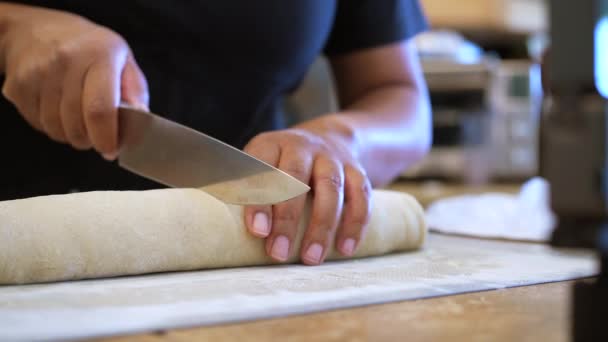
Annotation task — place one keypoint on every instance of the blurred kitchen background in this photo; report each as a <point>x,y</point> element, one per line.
<point>481,62</point>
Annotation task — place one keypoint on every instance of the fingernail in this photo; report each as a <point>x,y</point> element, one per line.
<point>348,246</point>
<point>110,156</point>
<point>314,253</point>
<point>141,106</point>
<point>135,104</point>
<point>280,248</point>
<point>261,226</point>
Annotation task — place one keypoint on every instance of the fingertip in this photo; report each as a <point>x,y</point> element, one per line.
<point>81,146</point>
<point>134,86</point>
<point>110,156</point>
<point>135,104</point>
<point>142,106</point>
<point>260,224</point>
<point>258,220</point>
<point>347,247</point>
<point>279,250</point>
<point>313,254</point>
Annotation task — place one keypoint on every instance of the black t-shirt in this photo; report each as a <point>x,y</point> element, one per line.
<point>221,67</point>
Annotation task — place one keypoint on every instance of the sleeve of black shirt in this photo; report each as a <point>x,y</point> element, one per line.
<point>361,24</point>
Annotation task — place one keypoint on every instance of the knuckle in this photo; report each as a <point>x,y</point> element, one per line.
<point>98,112</point>
<point>357,220</point>
<point>7,90</point>
<point>55,134</point>
<point>62,56</point>
<point>265,135</point>
<point>286,214</point>
<point>354,170</point>
<point>359,181</point>
<point>33,72</point>
<point>102,42</point>
<point>297,138</point>
<point>18,84</point>
<point>261,138</point>
<point>332,182</point>
<point>322,224</point>
<point>49,121</point>
<point>12,87</point>
<point>113,38</point>
<point>78,138</point>
<point>365,189</point>
<point>301,138</point>
<point>256,142</point>
<point>52,128</point>
<point>297,169</point>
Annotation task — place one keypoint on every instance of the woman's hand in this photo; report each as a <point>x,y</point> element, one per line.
<point>384,127</point>
<point>67,75</point>
<point>320,153</point>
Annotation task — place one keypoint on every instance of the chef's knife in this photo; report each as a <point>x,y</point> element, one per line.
<point>178,156</point>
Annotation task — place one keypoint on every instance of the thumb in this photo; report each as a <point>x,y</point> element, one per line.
<point>134,87</point>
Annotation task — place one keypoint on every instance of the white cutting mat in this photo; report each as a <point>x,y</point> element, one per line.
<point>447,265</point>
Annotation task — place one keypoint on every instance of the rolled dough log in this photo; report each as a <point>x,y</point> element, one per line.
<point>101,234</point>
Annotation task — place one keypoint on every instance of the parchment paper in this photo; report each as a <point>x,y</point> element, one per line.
<point>447,265</point>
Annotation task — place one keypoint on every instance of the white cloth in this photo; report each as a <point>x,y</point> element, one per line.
<point>524,217</point>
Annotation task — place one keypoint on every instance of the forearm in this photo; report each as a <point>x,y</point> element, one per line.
<point>393,130</point>
<point>388,129</point>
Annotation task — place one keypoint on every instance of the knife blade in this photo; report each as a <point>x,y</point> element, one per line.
<point>178,156</point>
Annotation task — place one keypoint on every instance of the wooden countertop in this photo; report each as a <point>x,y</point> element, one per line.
<point>427,192</point>
<point>531,313</point>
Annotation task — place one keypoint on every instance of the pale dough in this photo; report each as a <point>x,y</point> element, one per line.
<point>102,234</point>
